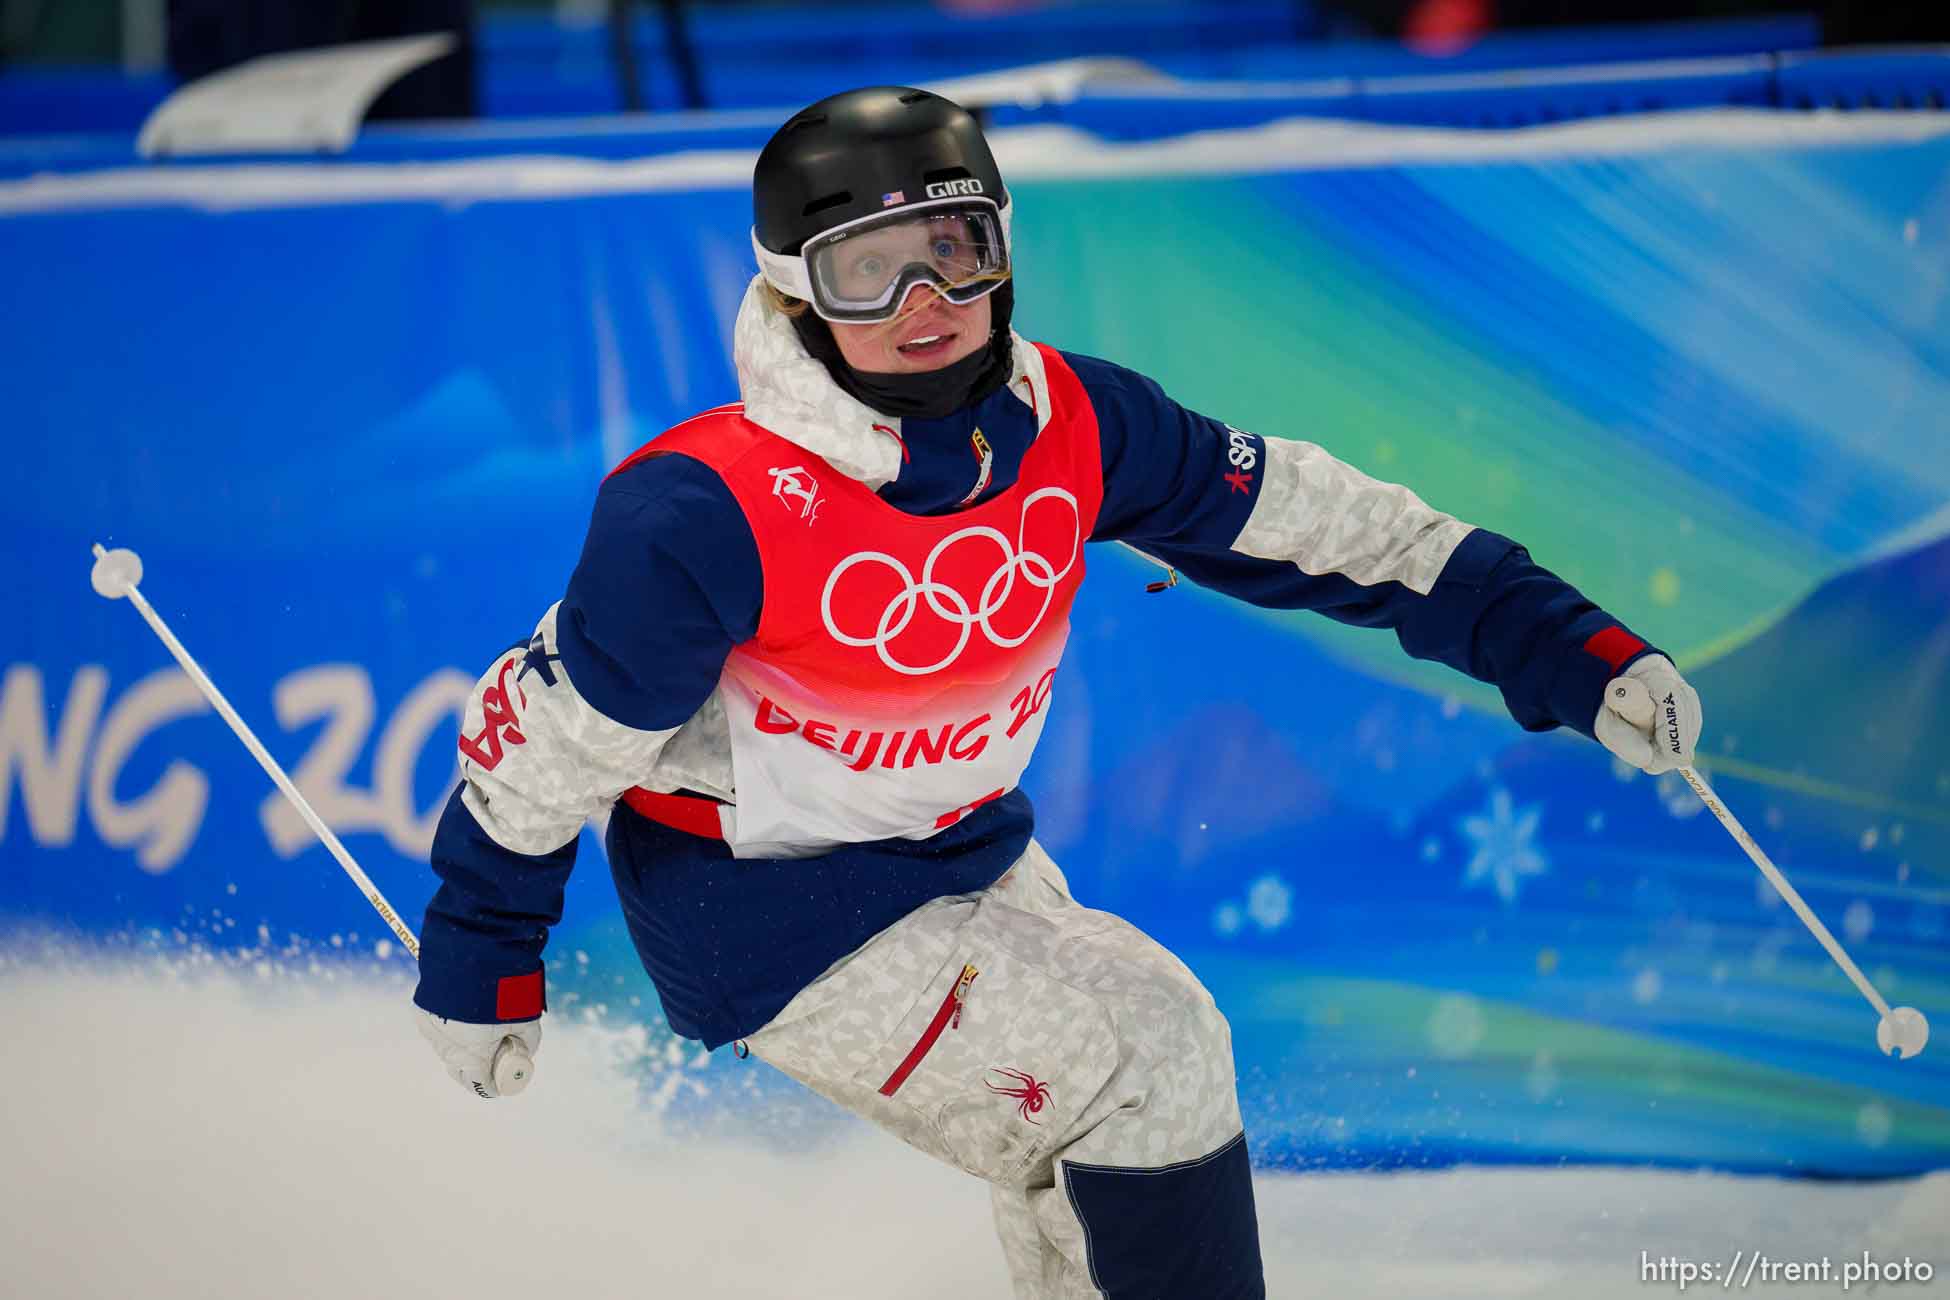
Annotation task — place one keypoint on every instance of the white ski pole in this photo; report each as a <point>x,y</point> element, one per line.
<point>116,575</point>
<point>1903,1029</point>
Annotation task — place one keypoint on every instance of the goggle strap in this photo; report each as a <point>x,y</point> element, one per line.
<point>786,273</point>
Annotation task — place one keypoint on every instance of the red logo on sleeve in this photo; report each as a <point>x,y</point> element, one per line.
<point>501,724</point>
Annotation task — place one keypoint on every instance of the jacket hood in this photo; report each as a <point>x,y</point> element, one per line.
<point>787,391</point>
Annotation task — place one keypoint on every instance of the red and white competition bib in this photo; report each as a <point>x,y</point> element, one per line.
<point>903,664</point>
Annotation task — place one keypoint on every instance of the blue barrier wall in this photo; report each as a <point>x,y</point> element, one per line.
<point>533,65</point>
<point>1378,91</point>
<point>354,432</point>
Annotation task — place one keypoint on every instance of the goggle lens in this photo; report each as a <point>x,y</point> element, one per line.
<point>863,272</point>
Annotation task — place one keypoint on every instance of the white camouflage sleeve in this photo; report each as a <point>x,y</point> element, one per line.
<point>537,759</point>
<point>1324,516</point>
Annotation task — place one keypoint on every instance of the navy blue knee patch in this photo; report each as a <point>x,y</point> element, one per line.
<point>1187,1229</point>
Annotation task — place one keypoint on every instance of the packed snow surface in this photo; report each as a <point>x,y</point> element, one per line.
<point>243,1132</point>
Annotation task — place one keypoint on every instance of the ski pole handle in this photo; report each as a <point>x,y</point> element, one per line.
<point>1631,700</point>
<point>512,1067</point>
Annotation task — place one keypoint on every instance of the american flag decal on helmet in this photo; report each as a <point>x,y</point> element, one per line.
<point>892,197</point>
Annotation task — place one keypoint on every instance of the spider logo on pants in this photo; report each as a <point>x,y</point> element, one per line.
<point>1031,1096</point>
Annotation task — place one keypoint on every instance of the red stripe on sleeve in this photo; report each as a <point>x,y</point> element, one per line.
<point>518,997</point>
<point>1614,645</point>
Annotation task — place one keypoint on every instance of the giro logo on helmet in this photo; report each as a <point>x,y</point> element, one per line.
<point>952,189</point>
<point>948,606</point>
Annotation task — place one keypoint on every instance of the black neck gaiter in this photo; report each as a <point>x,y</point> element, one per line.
<point>927,394</point>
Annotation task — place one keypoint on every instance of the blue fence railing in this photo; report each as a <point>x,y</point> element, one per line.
<point>1874,79</point>
<point>1903,79</point>
<point>531,65</point>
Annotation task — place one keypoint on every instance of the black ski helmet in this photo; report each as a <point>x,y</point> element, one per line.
<point>850,154</point>
<point>865,152</point>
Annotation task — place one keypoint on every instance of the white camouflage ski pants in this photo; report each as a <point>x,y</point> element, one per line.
<point>1066,1058</point>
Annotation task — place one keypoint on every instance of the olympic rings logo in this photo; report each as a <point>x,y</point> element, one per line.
<point>949,605</point>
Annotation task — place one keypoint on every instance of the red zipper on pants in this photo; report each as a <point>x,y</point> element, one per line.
<point>948,1013</point>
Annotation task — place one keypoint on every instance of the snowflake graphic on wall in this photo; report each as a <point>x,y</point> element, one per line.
<point>1501,839</point>
<point>1268,906</point>
<point>1269,902</point>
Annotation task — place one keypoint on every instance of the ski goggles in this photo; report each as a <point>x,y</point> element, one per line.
<point>860,272</point>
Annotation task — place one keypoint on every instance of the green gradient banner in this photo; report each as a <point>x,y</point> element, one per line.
<point>1712,387</point>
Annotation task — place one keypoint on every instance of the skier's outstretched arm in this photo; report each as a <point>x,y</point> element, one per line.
<point>559,726</point>
<point>1284,524</point>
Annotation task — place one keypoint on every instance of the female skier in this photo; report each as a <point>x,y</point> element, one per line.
<point>807,653</point>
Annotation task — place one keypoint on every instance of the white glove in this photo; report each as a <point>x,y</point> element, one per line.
<point>1650,717</point>
<point>488,1060</point>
